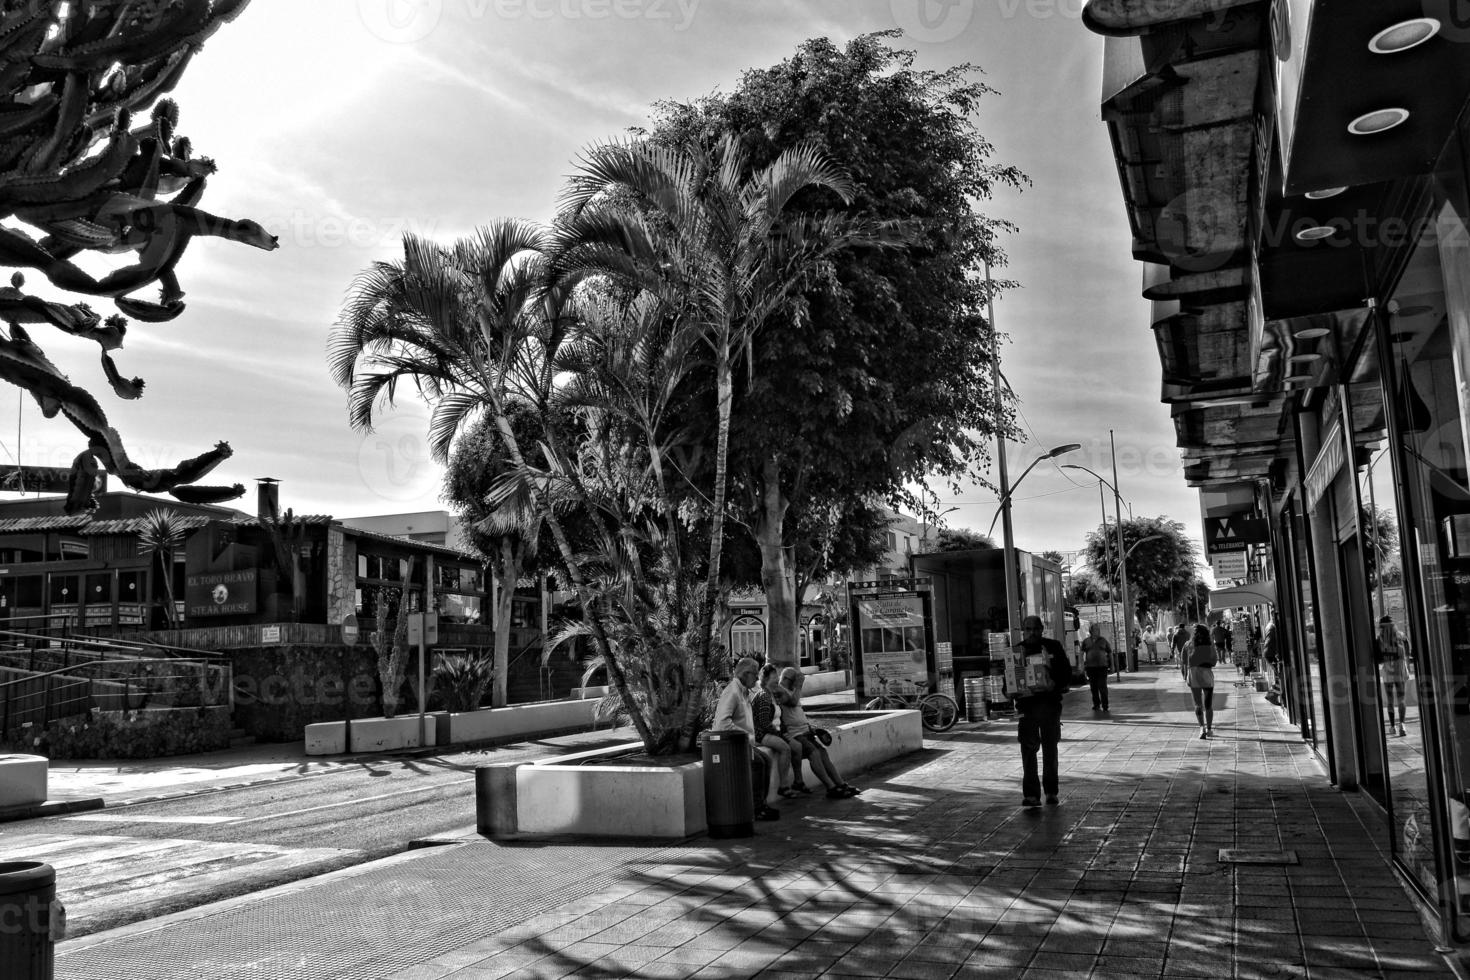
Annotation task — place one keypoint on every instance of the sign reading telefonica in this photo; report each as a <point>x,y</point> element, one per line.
<point>220,593</point>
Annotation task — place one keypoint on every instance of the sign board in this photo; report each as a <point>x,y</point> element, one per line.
<point>270,634</point>
<point>415,629</point>
<point>220,593</point>
<point>893,630</point>
<point>1230,565</point>
<point>431,628</point>
<point>1225,534</point>
<point>1329,460</point>
<point>350,630</point>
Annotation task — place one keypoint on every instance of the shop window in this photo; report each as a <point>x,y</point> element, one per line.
<point>748,637</point>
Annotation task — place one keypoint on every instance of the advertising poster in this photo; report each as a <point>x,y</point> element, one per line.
<point>893,639</point>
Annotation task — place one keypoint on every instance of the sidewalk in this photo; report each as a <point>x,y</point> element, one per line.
<point>935,871</point>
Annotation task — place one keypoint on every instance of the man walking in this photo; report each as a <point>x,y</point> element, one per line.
<point>1039,714</point>
<point>732,714</point>
<point>1177,641</point>
<point>1097,656</point>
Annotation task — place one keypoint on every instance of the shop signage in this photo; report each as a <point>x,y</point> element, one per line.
<point>220,593</point>
<point>1228,565</point>
<point>270,634</point>
<point>1329,460</point>
<point>1225,535</point>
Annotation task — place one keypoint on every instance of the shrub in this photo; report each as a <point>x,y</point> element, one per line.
<point>462,679</point>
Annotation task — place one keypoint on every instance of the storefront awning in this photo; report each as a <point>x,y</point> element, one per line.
<point>1250,594</point>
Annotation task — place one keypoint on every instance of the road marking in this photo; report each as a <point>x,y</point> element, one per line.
<point>127,818</point>
<point>330,806</point>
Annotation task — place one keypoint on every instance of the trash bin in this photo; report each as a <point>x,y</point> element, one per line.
<point>729,806</point>
<point>977,692</point>
<point>32,921</point>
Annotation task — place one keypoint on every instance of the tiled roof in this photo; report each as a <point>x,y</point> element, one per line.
<point>11,524</point>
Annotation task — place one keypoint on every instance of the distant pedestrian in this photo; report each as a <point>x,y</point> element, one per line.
<point>1199,674</point>
<point>1097,656</point>
<point>1039,715</point>
<point>1392,652</point>
<point>1220,637</point>
<point>1271,653</point>
<point>1177,641</point>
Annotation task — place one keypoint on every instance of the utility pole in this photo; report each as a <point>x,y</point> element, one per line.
<point>1007,538</point>
<point>1122,561</point>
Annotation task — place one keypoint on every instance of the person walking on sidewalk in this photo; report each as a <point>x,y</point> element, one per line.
<point>1199,674</point>
<point>1097,655</point>
<point>1039,715</point>
<point>1177,642</point>
<point>732,714</point>
<point>1392,653</point>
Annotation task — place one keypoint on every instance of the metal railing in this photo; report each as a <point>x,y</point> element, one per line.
<point>109,683</point>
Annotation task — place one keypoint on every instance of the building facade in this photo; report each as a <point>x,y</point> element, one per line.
<point>228,570</point>
<point>1295,177</point>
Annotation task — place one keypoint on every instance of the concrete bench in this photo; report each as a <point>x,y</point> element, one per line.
<point>22,780</point>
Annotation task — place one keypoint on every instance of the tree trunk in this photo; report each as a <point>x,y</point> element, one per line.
<point>778,578</point>
<point>506,570</point>
<point>573,568</point>
<point>724,397</point>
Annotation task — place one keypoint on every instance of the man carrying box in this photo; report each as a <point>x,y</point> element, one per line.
<point>1045,676</point>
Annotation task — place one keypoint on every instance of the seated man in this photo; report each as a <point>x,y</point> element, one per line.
<point>732,713</point>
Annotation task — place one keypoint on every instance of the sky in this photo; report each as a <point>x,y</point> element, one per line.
<point>341,124</point>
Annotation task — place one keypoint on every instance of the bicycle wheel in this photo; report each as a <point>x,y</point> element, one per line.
<point>939,712</point>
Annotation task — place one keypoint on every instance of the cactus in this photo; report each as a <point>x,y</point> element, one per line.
<point>73,75</point>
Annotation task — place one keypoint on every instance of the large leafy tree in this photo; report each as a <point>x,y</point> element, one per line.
<point>881,373</point>
<point>1161,560</point>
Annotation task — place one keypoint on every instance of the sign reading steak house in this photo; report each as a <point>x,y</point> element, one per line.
<point>220,593</point>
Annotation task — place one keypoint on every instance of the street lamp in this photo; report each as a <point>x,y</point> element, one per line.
<point>1122,555</point>
<point>1005,496</point>
<point>924,535</point>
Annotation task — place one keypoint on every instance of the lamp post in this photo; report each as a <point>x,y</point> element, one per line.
<point>1006,492</point>
<point>1122,557</point>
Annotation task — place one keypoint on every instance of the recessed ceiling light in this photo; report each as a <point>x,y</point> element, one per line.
<point>1304,357</point>
<point>1311,333</point>
<point>1404,35</point>
<point>1325,192</point>
<point>1315,232</point>
<point>1377,121</point>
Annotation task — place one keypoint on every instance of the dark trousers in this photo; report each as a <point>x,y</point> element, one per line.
<point>1040,730</point>
<point>760,778</point>
<point>1097,679</point>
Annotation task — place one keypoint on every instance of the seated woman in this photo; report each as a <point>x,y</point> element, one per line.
<point>763,709</point>
<point>804,744</point>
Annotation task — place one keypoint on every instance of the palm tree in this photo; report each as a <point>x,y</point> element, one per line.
<point>719,249</point>
<point>161,535</point>
<point>475,327</point>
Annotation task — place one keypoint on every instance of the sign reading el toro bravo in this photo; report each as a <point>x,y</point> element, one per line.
<point>220,593</point>
<point>892,622</point>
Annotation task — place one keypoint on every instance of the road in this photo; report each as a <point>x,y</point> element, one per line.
<point>125,864</point>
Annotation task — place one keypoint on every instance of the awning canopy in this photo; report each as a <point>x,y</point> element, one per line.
<point>1250,594</point>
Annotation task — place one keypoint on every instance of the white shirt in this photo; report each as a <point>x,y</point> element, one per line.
<point>732,712</point>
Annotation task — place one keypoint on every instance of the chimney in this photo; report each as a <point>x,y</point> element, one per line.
<point>267,498</point>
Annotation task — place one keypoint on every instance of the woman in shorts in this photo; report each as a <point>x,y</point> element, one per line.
<point>804,744</point>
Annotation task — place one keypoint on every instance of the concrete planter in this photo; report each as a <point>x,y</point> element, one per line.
<point>369,735</point>
<point>23,779</point>
<point>493,724</point>
<point>560,796</point>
